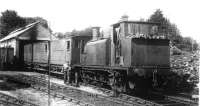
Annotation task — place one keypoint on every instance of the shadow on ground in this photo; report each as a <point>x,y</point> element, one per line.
<point>7,83</point>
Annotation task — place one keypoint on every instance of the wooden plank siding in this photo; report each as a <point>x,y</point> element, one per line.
<point>58,52</point>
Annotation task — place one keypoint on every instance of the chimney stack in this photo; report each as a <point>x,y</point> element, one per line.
<point>96,33</point>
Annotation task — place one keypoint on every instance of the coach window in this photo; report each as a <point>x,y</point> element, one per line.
<point>68,45</point>
<point>45,47</point>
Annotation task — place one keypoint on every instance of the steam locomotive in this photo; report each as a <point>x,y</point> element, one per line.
<point>133,58</point>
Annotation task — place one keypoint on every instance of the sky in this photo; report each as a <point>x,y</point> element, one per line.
<point>66,15</point>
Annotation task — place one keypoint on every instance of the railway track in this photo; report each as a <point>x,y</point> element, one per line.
<point>182,100</point>
<point>62,96</point>
<point>84,98</point>
<point>6,100</point>
<point>40,84</point>
<point>162,100</point>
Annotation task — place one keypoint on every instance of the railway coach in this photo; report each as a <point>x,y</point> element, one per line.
<point>65,51</point>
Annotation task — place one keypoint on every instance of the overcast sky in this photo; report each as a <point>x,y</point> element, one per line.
<point>65,15</point>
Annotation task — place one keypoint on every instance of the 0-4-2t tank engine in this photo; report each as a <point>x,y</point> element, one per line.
<point>134,57</point>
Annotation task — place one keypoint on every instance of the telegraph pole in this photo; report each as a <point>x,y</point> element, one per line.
<point>49,69</point>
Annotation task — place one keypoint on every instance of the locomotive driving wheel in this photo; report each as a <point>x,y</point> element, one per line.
<point>117,83</point>
<point>76,80</point>
<point>84,77</point>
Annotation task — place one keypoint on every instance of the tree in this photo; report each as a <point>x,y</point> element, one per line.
<point>171,31</point>
<point>174,34</point>
<point>59,35</point>
<point>85,32</point>
<point>158,17</point>
<point>189,44</point>
<point>10,20</point>
<point>166,27</point>
<point>42,21</point>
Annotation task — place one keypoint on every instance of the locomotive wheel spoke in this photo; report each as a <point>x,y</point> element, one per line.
<point>76,78</point>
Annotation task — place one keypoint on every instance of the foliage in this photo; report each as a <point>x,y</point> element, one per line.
<point>42,21</point>
<point>178,83</point>
<point>189,44</point>
<point>85,32</point>
<point>158,17</point>
<point>171,31</point>
<point>60,35</point>
<point>10,20</point>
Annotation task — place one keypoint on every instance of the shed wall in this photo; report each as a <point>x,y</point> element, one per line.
<point>28,53</point>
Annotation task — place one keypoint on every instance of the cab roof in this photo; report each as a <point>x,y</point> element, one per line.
<point>136,22</point>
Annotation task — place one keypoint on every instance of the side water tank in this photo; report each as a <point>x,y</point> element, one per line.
<point>97,52</point>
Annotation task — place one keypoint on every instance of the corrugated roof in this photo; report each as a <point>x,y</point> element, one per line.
<point>19,31</point>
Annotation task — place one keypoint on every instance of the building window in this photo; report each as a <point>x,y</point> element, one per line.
<point>82,45</point>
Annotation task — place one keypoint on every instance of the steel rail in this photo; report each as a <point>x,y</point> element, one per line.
<point>7,99</point>
<point>95,99</point>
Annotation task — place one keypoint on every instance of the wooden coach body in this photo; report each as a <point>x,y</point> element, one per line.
<point>65,51</point>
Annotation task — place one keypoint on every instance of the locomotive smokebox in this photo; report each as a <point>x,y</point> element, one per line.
<point>95,33</point>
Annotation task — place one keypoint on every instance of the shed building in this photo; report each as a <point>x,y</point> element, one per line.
<point>12,46</point>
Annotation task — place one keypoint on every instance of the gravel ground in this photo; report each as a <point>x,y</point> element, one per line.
<point>54,80</point>
<point>187,63</point>
<point>37,97</point>
<point>32,95</point>
<point>29,94</point>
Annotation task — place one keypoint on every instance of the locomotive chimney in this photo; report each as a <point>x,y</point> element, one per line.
<point>124,18</point>
<point>95,33</point>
